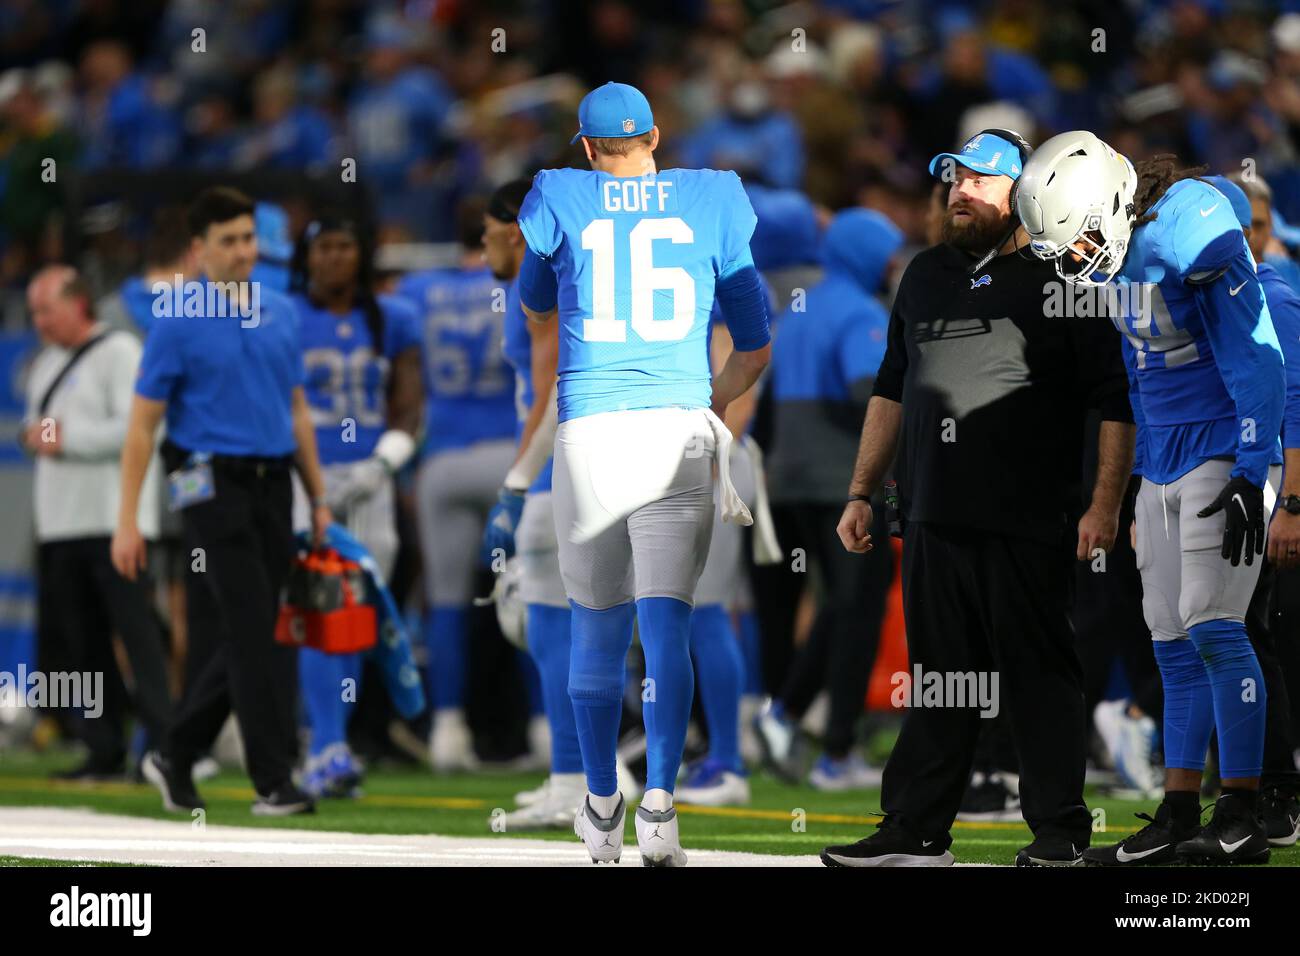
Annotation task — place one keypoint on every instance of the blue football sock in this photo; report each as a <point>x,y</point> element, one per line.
<point>1237,685</point>
<point>1189,705</point>
<point>718,663</point>
<point>665,629</point>
<point>532,684</point>
<point>751,649</point>
<point>597,671</point>
<point>327,700</point>
<point>549,642</point>
<point>446,635</point>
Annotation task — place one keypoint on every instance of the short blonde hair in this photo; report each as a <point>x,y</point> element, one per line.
<point>619,145</point>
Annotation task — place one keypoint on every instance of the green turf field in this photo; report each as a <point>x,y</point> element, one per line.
<point>781,819</point>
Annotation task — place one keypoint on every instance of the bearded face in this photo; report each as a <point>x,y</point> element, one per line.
<point>978,215</point>
<point>974,227</point>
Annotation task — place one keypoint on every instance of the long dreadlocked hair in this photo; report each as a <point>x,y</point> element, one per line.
<point>300,281</point>
<point>1154,177</point>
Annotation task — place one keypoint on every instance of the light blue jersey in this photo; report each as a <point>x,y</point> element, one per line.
<point>518,350</point>
<point>347,380</point>
<point>1203,356</point>
<point>636,260</point>
<point>469,388</point>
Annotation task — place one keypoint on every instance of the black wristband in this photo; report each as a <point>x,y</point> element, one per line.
<point>866,498</point>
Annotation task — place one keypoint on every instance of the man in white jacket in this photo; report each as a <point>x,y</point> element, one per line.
<point>78,395</point>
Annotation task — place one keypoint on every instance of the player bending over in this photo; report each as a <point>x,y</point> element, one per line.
<point>1208,391</point>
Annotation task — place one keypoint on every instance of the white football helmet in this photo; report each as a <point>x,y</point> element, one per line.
<point>512,614</point>
<point>1075,188</point>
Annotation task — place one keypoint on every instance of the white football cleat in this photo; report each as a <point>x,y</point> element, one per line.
<point>1106,718</point>
<point>205,768</point>
<point>627,785</point>
<point>778,738</point>
<point>1133,753</point>
<point>526,798</point>
<point>554,811</point>
<point>451,746</point>
<point>603,838</point>
<point>656,835</point>
<point>1129,742</point>
<point>848,773</point>
<point>710,784</point>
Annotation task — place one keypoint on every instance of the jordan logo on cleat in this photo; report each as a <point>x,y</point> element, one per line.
<point>655,835</point>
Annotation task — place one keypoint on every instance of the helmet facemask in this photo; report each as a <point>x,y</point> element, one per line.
<point>1095,264</point>
<point>1075,200</point>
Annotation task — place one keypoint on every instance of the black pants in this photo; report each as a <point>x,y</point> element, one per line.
<point>981,602</point>
<point>244,537</point>
<point>777,590</point>
<point>82,601</point>
<point>1284,623</point>
<point>995,750</point>
<point>1109,623</point>
<point>1279,742</point>
<point>841,648</point>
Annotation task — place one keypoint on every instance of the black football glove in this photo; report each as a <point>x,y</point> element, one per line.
<point>1243,507</point>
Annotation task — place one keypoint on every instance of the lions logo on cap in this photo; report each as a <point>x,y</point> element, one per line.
<point>628,125</point>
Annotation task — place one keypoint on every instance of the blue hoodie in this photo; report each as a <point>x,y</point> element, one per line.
<point>824,361</point>
<point>787,231</point>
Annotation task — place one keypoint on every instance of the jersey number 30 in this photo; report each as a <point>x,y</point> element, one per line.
<point>598,238</point>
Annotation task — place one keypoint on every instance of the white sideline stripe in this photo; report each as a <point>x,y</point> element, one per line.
<point>85,835</point>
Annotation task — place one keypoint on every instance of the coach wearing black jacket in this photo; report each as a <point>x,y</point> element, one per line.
<point>987,380</point>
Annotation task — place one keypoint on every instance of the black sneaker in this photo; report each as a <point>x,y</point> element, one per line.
<point>285,801</point>
<point>1153,845</point>
<point>177,789</point>
<point>1050,849</point>
<point>989,798</point>
<point>1234,835</point>
<point>890,845</point>
<point>1281,812</point>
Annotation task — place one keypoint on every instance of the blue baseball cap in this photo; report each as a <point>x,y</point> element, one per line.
<point>1236,196</point>
<point>984,153</point>
<point>614,111</point>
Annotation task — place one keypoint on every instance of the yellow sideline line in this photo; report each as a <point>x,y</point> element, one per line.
<point>113,789</point>
<point>109,788</point>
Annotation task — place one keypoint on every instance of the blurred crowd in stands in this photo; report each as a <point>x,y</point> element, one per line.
<point>435,100</point>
